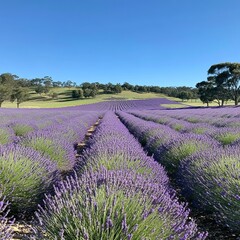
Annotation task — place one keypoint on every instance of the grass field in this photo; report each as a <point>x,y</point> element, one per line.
<point>65,100</point>
<point>191,103</point>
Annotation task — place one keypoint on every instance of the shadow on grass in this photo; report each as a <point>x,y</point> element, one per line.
<point>114,98</point>
<point>69,99</point>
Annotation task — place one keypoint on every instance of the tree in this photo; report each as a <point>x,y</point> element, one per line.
<point>68,84</point>
<point>7,82</point>
<point>7,79</point>
<point>185,95</point>
<point>118,88</point>
<point>57,84</point>
<point>5,93</point>
<point>23,82</point>
<point>36,81</point>
<point>20,95</point>
<point>85,85</point>
<point>227,76</point>
<point>128,86</point>
<point>39,89</point>
<point>47,81</point>
<point>195,94</point>
<point>87,92</point>
<point>77,93</point>
<point>206,93</point>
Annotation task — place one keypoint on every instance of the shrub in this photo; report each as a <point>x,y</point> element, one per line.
<point>57,150</point>
<point>174,151</point>
<point>113,205</point>
<point>114,148</point>
<point>199,128</point>
<point>226,136</point>
<point>25,176</point>
<point>6,135</point>
<point>211,179</point>
<point>21,128</point>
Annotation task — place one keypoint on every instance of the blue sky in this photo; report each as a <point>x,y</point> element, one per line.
<point>145,42</point>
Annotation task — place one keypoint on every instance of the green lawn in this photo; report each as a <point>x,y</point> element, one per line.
<point>192,103</point>
<point>65,100</point>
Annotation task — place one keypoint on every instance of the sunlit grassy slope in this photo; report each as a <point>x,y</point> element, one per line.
<point>65,100</point>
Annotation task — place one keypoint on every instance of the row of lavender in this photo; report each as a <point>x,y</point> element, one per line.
<point>224,125</point>
<point>35,154</point>
<point>126,105</point>
<point>217,117</point>
<point>117,192</point>
<point>207,172</point>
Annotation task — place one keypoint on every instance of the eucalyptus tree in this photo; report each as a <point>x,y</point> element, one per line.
<point>20,95</point>
<point>5,93</point>
<point>7,82</point>
<point>227,76</point>
<point>206,93</point>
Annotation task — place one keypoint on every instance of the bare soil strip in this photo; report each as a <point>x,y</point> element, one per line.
<point>89,133</point>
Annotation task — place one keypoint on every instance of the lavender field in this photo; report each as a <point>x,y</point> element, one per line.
<point>120,170</point>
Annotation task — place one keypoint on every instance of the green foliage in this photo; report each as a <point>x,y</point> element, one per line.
<point>223,83</point>
<point>39,89</point>
<point>177,127</point>
<point>117,162</point>
<point>200,130</point>
<point>206,93</point>
<point>217,188</point>
<point>21,181</point>
<point>106,208</point>
<point>50,150</point>
<point>192,119</point>
<point>227,138</point>
<point>5,93</point>
<point>7,79</point>
<point>111,88</point>
<point>177,152</point>
<point>20,95</point>
<point>4,136</point>
<point>77,93</point>
<point>185,95</point>
<point>127,86</point>
<point>21,129</point>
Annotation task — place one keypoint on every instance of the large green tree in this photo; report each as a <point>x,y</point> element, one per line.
<point>5,93</point>
<point>206,93</point>
<point>227,76</point>
<point>7,82</point>
<point>19,95</point>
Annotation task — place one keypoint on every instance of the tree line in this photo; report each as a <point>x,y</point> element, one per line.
<point>222,84</point>
<point>14,88</point>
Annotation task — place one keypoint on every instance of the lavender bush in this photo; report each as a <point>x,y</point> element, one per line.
<point>174,151</point>
<point>24,176</point>
<point>226,135</point>
<point>6,135</point>
<point>211,179</point>
<point>58,150</point>
<point>22,128</point>
<point>151,135</point>
<point>113,205</point>
<point>114,148</point>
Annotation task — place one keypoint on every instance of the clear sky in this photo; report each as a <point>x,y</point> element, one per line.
<point>145,42</point>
